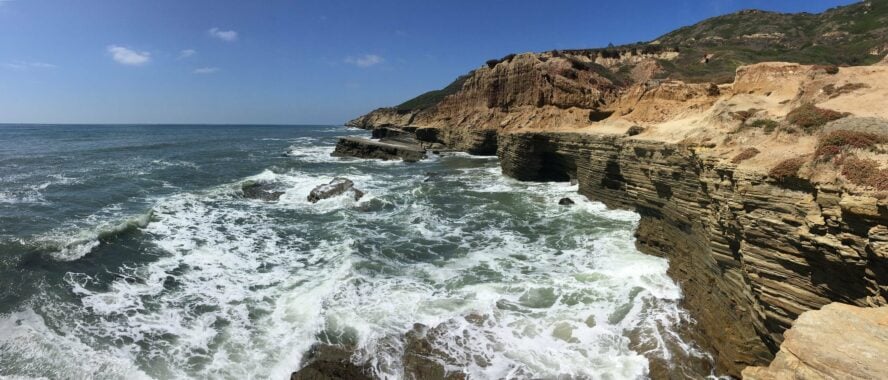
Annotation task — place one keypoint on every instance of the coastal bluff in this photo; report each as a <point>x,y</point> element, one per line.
<point>752,248</point>
<point>764,185</point>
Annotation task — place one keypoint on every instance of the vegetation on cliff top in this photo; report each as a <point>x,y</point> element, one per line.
<point>856,34</point>
<point>432,98</point>
<point>712,50</point>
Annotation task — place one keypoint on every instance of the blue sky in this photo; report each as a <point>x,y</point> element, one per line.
<point>290,62</point>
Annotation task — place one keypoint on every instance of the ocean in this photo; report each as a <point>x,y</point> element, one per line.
<point>129,251</point>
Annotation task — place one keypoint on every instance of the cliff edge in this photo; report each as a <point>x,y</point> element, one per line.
<point>857,337</point>
<point>767,191</point>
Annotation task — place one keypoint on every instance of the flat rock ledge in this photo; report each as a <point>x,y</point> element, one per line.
<point>838,341</point>
<point>378,149</point>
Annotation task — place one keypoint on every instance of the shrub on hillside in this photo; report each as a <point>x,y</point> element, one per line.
<point>787,168</point>
<point>833,92</point>
<point>745,155</point>
<point>766,125</point>
<point>836,142</point>
<point>634,130</point>
<point>865,172</point>
<point>809,116</point>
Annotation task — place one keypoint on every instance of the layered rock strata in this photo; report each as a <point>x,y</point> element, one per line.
<point>856,341</point>
<point>750,253</point>
<point>384,150</point>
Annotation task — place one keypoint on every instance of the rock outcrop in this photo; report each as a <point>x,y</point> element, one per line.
<point>383,150</point>
<point>332,362</point>
<point>750,253</point>
<point>261,191</point>
<point>424,356</point>
<point>336,187</point>
<point>521,91</point>
<point>654,127</point>
<point>836,342</point>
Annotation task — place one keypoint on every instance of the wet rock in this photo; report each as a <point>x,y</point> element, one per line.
<point>336,187</point>
<point>261,191</point>
<point>432,176</point>
<point>422,360</point>
<point>477,319</point>
<point>566,201</point>
<point>387,149</point>
<point>332,362</point>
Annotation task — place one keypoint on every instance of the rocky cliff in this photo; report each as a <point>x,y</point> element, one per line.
<point>548,90</point>
<point>750,253</point>
<point>858,340</point>
<point>767,192</point>
<point>752,247</point>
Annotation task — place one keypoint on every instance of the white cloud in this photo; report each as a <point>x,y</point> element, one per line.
<point>224,35</point>
<point>22,65</point>
<point>127,56</point>
<point>187,53</point>
<point>366,60</point>
<point>206,70</point>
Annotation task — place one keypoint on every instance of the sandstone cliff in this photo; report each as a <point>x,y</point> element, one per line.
<point>768,193</point>
<point>749,253</point>
<point>857,339</point>
<point>752,249</point>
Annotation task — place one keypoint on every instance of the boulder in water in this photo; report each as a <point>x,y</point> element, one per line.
<point>566,202</point>
<point>261,191</point>
<point>332,362</point>
<point>423,359</point>
<point>336,187</point>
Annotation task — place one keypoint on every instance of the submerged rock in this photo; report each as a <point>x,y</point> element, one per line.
<point>422,360</point>
<point>332,362</point>
<point>428,354</point>
<point>566,201</point>
<point>261,191</point>
<point>336,187</point>
<point>383,150</point>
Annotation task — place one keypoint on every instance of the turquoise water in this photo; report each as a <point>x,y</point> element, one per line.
<point>130,252</point>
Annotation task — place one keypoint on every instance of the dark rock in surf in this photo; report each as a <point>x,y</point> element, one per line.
<point>261,191</point>
<point>566,202</point>
<point>336,187</point>
<point>422,358</point>
<point>432,176</point>
<point>332,362</point>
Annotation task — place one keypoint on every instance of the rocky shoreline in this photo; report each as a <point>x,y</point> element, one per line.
<point>751,252</point>
<point>768,195</point>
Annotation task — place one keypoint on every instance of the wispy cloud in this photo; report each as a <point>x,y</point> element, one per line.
<point>126,56</point>
<point>224,35</point>
<point>366,60</point>
<point>187,53</point>
<point>206,70</point>
<point>23,65</point>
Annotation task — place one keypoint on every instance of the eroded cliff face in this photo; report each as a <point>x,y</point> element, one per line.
<point>750,253</point>
<point>523,91</point>
<point>751,249</point>
<point>858,340</point>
